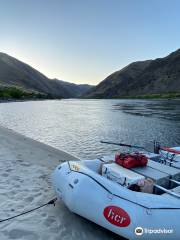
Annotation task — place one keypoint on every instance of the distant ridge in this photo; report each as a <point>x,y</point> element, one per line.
<point>159,76</point>
<point>14,73</point>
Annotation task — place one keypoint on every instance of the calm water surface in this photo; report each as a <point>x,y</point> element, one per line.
<point>77,126</point>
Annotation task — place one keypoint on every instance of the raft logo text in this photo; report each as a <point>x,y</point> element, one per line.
<point>117,216</point>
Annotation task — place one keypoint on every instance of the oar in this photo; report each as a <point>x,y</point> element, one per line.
<point>123,144</point>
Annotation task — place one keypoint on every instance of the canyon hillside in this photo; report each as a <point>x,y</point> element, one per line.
<point>159,76</point>
<point>14,73</point>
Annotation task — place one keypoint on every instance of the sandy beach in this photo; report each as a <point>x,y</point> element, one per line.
<point>25,182</point>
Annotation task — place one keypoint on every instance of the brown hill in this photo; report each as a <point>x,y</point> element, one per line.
<point>161,75</point>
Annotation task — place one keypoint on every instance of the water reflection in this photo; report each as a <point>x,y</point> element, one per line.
<point>167,109</point>
<point>77,126</point>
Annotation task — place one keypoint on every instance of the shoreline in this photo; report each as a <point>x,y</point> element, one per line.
<point>23,141</point>
<point>34,100</point>
<point>26,166</point>
<point>26,100</point>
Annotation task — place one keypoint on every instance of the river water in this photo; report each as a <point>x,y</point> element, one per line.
<point>78,126</point>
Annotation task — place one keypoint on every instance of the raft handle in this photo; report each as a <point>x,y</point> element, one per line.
<point>71,185</point>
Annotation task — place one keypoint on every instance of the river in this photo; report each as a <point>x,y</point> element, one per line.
<point>78,126</point>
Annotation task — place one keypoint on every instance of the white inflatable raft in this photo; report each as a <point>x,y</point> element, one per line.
<point>111,204</point>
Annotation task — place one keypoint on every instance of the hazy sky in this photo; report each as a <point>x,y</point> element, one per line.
<point>83,41</point>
